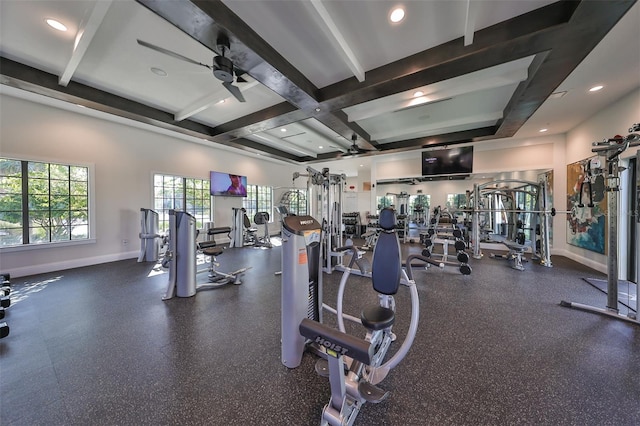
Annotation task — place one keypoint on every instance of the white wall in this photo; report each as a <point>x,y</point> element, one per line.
<point>124,159</point>
<point>614,120</point>
<point>502,159</point>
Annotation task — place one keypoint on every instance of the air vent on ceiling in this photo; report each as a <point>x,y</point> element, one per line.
<point>422,104</point>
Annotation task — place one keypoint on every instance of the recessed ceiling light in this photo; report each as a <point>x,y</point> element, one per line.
<point>158,71</point>
<point>317,109</point>
<point>320,147</point>
<point>396,15</point>
<point>419,100</point>
<point>221,101</point>
<point>596,88</point>
<point>543,130</point>
<point>361,165</point>
<point>418,94</point>
<point>56,24</point>
<point>283,130</point>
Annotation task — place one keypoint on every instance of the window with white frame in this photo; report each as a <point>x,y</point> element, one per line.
<point>419,204</point>
<point>456,201</point>
<point>258,199</point>
<point>383,201</point>
<point>295,201</point>
<point>181,193</point>
<point>42,202</point>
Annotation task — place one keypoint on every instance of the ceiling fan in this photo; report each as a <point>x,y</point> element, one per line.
<point>354,149</point>
<point>222,67</point>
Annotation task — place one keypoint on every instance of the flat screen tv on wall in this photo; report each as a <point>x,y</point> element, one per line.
<point>446,162</point>
<point>228,184</point>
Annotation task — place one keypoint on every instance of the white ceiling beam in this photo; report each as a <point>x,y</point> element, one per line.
<point>443,126</point>
<point>461,87</point>
<point>207,101</point>
<point>86,32</point>
<point>470,21</point>
<point>331,30</point>
<point>280,144</point>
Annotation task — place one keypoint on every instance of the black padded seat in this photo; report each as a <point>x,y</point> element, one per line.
<point>213,251</point>
<point>377,317</point>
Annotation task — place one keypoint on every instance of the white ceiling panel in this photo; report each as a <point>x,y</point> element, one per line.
<point>301,57</point>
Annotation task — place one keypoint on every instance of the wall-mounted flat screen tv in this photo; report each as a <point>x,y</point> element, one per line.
<point>228,185</point>
<point>452,161</point>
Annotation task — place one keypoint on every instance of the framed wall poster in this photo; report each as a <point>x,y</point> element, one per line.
<point>586,226</point>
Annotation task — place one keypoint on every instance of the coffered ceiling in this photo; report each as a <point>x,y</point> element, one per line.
<point>316,75</point>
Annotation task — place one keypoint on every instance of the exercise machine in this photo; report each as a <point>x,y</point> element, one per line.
<point>324,198</point>
<point>262,218</point>
<point>515,254</point>
<point>301,283</point>
<point>181,256</point>
<point>487,203</point>
<point>611,149</point>
<point>402,207</point>
<point>353,365</point>
<point>242,233</point>
<point>302,315</point>
<point>149,237</point>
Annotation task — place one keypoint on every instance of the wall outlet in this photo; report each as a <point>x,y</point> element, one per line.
<point>125,242</point>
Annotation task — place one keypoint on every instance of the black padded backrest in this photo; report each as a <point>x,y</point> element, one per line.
<point>247,222</point>
<point>387,262</point>
<point>261,218</point>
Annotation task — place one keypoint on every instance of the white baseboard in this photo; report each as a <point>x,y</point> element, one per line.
<point>586,262</point>
<point>69,264</point>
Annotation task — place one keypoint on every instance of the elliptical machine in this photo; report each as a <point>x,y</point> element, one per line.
<point>355,366</point>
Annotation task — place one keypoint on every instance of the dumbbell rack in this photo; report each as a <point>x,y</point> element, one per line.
<point>5,302</point>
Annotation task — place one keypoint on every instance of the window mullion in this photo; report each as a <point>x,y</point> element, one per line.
<point>24,166</point>
<point>50,221</point>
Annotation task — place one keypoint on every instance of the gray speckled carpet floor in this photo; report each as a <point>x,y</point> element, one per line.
<point>97,345</point>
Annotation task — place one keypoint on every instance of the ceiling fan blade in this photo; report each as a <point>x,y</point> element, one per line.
<point>234,91</point>
<point>171,53</point>
<point>239,74</point>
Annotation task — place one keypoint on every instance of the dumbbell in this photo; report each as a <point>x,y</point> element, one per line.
<point>1,312</point>
<point>426,253</point>
<point>463,257</point>
<point>465,269</point>
<point>457,233</point>
<point>4,330</point>
<point>459,245</point>
<point>5,301</point>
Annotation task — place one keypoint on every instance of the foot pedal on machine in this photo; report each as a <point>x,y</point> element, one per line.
<point>322,368</point>
<point>372,393</point>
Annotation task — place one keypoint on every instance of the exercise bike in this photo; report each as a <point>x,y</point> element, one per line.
<point>364,358</point>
